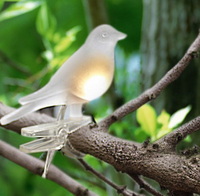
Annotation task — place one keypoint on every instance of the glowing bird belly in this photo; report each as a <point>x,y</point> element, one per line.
<point>92,79</point>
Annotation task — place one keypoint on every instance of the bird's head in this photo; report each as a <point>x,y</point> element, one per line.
<point>105,34</point>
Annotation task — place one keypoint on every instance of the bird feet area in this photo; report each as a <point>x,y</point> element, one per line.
<point>52,136</point>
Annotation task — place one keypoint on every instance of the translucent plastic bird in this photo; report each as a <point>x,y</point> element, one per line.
<point>85,76</point>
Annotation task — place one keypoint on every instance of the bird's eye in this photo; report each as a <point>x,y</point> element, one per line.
<point>104,34</point>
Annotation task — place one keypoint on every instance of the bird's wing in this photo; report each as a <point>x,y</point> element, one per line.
<point>59,81</point>
<point>58,99</point>
<point>43,93</point>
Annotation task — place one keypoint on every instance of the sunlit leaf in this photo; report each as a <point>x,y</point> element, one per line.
<point>163,119</point>
<point>178,117</point>
<point>146,116</point>
<point>161,133</point>
<point>188,139</point>
<point>57,61</point>
<point>66,41</point>
<point>163,122</point>
<point>19,8</point>
<point>63,44</point>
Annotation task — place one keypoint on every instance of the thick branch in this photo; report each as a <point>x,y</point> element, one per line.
<point>95,12</point>
<point>169,142</point>
<point>154,91</point>
<point>172,171</point>
<point>36,166</point>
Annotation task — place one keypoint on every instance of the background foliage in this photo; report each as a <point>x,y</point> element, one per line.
<point>36,37</point>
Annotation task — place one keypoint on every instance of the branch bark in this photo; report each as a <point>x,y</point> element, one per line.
<point>154,91</point>
<point>176,172</point>
<point>36,166</point>
<point>169,142</point>
<point>120,189</point>
<point>170,170</point>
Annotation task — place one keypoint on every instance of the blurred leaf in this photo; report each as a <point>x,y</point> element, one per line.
<point>161,133</point>
<point>178,117</point>
<point>188,139</point>
<point>120,128</point>
<point>5,189</point>
<point>140,135</point>
<point>66,41</point>
<point>163,119</point>
<point>19,8</point>
<point>1,4</point>
<point>146,116</point>
<point>94,162</point>
<point>46,22</point>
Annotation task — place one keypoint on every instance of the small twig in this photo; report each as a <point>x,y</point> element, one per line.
<point>36,166</point>
<point>120,189</point>
<point>16,66</point>
<point>145,185</point>
<point>154,91</point>
<point>170,141</point>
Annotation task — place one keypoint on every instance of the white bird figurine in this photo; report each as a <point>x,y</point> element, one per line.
<point>85,76</point>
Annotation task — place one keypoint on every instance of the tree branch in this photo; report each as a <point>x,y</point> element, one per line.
<point>145,185</point>
<point>168,169</point>
<point>120,189</point>
<point>36,166</point>
<point>10,62</point>
<point>95,12</point>
<point>172,171</point>
<point>154,91</point>
<point>169,142</point>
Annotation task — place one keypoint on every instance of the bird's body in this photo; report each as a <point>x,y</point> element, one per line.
<point>85,76</point>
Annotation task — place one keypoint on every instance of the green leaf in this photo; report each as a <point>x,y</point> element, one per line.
<point>66,41</point>
<point>146,116</point>
<point>1,4</point>
<point>46,22</point>
<point>163,119</point>
<point>140,135</point>
<point>19,8</point>
<point>163,122</point>
<point>161,133</point>
<point>12,0</point>
<point>178,117</point>
<point>188,139</point>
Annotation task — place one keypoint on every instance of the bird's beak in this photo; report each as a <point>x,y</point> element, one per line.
<point>121,35</point>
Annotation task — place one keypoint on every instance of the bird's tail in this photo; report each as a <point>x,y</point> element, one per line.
<point>31,107</point>
<point>25,109</point>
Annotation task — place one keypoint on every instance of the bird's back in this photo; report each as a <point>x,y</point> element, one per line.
<point>87,74</point>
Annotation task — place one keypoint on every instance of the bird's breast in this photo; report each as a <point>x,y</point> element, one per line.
<point>92,77</point>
